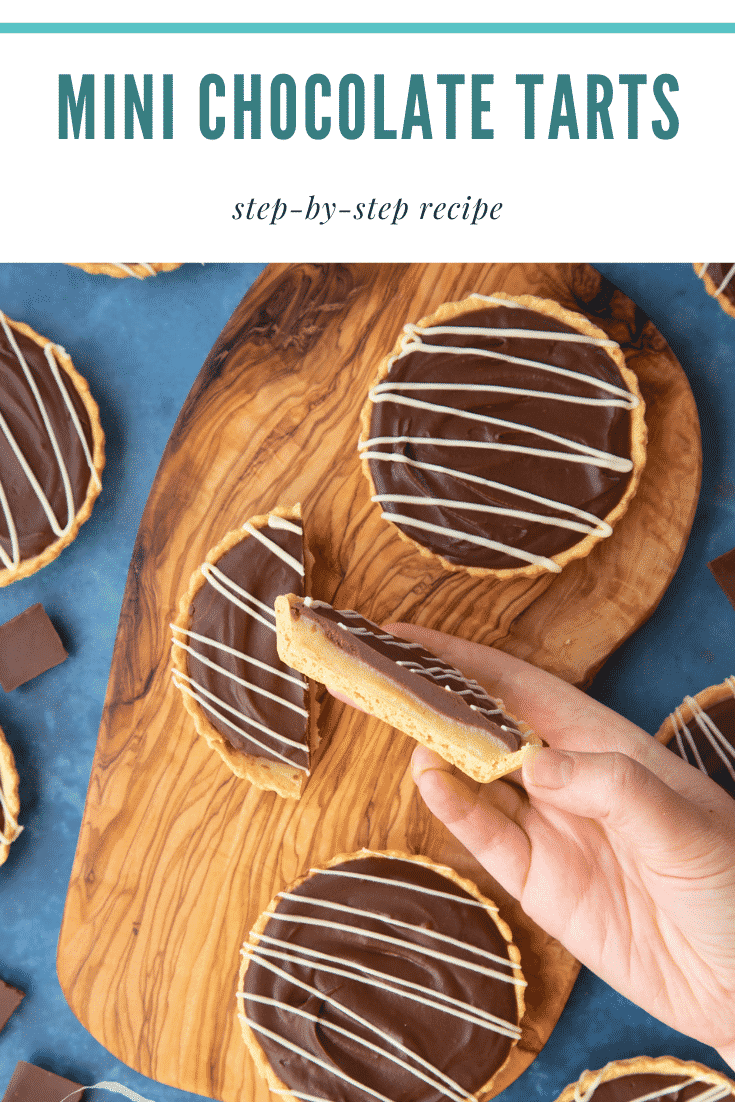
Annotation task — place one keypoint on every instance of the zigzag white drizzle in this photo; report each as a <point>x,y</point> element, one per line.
<point>50,352</point>
<point>685,739</point>
<point>264,614</point>
<point>728,276</point>
<point>269,949</point>
<point>711,1092</point>
<point>399,393</point>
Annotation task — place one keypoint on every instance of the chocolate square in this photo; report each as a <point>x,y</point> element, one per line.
<point>29,646</point>
<point>32,1084</point>
<point>9,1001</point>
<point>723,569</point>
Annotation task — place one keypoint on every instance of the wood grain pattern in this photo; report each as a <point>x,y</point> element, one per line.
<point>176,856</point>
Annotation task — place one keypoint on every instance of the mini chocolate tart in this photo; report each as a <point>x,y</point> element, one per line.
<point>702,732</point>
<point>655,1079</point>
<point>504,436</point>
<point>52,451</point>
<point>404,685</point>
<point>124,271</point>
<point>719,282</point>
<point>253,709</point>
<point>381,975</point>
<point>9,800</point>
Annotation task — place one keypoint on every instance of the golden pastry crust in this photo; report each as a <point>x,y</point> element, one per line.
<point>305,647</point>
<point>658,1065</point>
<point>10,808</point>
<point>273,776</point>
<point>124,271</point>
<point>259,1057</point>
<point>26,567</point>
<point>710,287</point>
<point>713,694</point>
<point>638,435</point>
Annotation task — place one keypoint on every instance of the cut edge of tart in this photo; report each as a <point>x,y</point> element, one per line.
<point>263,1066</point>
<point>638,437</point>
<point>348,669</point>
<point>25,567</point>
<point>287,780</point>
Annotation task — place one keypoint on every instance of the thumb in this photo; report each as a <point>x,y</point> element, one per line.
<point>622,795</point>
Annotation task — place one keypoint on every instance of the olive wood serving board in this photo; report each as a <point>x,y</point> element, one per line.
<point>176,856</point>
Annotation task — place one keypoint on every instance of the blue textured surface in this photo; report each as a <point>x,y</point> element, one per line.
<point>141,345</point>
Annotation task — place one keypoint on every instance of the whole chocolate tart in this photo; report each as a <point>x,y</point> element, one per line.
<point>403,684</point>
<point>255,711</point>
<point>503,435</point>
<point>9,800</point>
<point>702,732</point>
<point>653,1079</point>
<point>719,282</point>
<point>381,975</point>
<point>51,451</point>
<point>123,271</point>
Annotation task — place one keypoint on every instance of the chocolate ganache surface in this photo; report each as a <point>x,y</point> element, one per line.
<point>723,277</point>
<point>257,703</point>
<point>653,1088</point>
<point>46,447</point>
<point>380,977</point>
<point>707,741</point>
<point>509,442</point>
<point>458,698</point>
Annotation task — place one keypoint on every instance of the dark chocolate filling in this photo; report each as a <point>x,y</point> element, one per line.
<point>20,410</point>
<point>467,1052</point>
<point>717,273</point>
<point>256,569</point>
<point>628,1088</point>
<point>422,674</point>
<point>722,715</point>
<point>596,490</point>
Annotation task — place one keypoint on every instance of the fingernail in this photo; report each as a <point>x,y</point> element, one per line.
<point>546,768</point>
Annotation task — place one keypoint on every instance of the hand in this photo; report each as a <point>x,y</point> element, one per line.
<point>617,848</point>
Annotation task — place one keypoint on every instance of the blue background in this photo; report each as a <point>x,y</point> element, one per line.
<point>141,344</point>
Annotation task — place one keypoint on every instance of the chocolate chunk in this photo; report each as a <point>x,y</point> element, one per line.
<point>32,1084</point>
<point>29,645</point>
<point>10,998</point>
<point>723,569</point>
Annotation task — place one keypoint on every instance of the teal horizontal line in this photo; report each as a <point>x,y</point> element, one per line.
<point>367,28</point>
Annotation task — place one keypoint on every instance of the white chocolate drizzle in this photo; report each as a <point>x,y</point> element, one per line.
<point>711,1092</point>
<point>51,352</point>
<point>399,393</point>
<point>265,615</point>
<point>269,950</point>
<point>150,270</point>
<point>725,282</point>
<point>685,739</point>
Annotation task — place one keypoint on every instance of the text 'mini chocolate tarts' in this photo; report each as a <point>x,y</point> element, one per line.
<point>650,1079</point>
<point>52,451</point>
<point>9,799</point>
<point>256,712</point>
<point>404,685</point>
<point>381,976</point>
<point>702,732</point>
<point>503,436</point>
<point>719,282</point>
